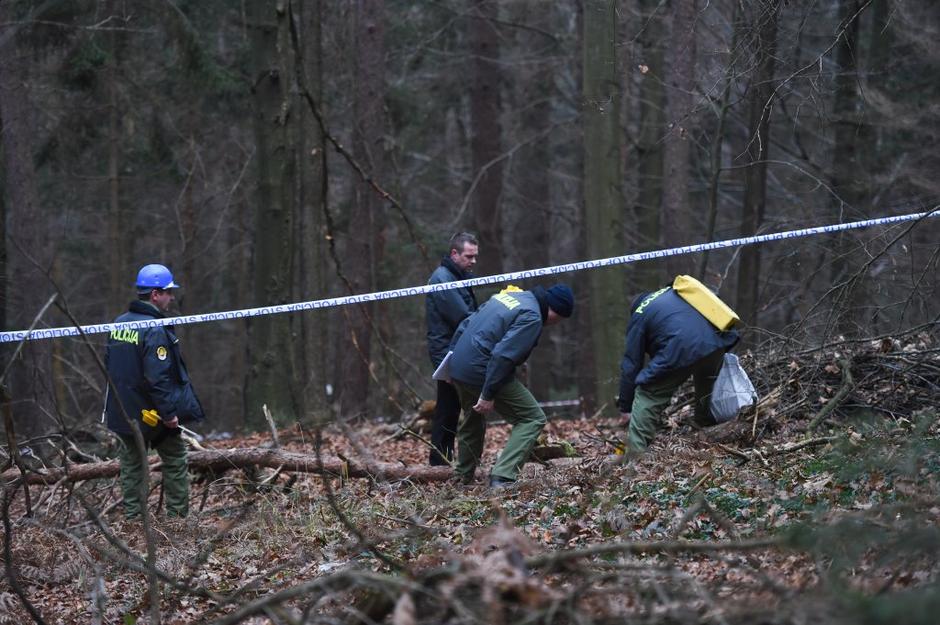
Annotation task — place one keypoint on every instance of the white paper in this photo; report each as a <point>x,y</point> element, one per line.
<point>443,370</point>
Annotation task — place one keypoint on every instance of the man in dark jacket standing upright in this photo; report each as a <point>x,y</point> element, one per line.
<point>488,346</point>
<point>150,390</point>
<point>444,311</point>
<point>680,342</point>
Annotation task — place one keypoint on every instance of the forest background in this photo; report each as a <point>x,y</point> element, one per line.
<point>280,151</point>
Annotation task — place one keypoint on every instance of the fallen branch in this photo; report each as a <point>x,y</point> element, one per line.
<point>848,383</point>
<point>222,459</point>
<point>639,547</point>
<point>766,452</point>
<point>218,460</point>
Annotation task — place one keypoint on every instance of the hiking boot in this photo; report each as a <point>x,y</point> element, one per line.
<point>497,482</point>
<point>462,479</point>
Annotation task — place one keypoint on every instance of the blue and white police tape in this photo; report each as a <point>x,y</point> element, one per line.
<point>49,333</point>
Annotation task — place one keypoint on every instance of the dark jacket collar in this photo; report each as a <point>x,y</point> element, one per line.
<point>541,296</point>
<point>146,308</point>
<point>454,269</point>
<point>460,274</point>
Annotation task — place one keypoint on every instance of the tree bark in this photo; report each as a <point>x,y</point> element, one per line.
<point>649,150</point>
<point>758,142</point>
<point>311,158</point>
<point>365,246</point>
<point>603,202</point>
<point>271,378</point>
<point>27,227</point>
<point>119,282</point>
<point>718,141</point>
<point>532,202</point>
<point>851,138</point>
<point>680,84</point>
<point>486,133</point>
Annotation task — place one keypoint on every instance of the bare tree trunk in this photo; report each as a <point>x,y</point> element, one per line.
<point>579,334</point>
<point>850,139</point>
<point>486,132</point>
<point>531,202</point>
<point>271,378</point>
<point>27,227</point>
<point>118,280</point>
<point>758,142</point>
<point>366,237</point>
<point>311,257</point>
<point>718,141</point>
<point>680,84</point>
<point>603,202</point>
<point>649,274</point>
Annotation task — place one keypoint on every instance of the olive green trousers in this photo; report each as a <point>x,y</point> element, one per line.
<point>652,398</point>
<point>175,469</point>
<point>514,403</point>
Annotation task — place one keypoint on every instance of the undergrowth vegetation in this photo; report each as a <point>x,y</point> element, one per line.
<point>758,521</point>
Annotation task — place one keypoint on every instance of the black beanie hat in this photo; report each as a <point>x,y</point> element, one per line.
<point>561,299</point>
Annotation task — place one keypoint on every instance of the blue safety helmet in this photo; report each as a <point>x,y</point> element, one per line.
<point>155,277</point>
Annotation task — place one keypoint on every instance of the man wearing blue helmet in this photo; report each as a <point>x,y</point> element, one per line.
<point>150,390</point>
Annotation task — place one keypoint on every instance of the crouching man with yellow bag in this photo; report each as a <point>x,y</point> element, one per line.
<point>685,330</point>
<point>150,390</point>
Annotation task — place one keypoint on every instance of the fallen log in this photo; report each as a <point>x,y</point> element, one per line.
<point>219,460</point>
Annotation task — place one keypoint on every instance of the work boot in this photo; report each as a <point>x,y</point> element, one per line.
<point>462,479</point>
<point>497,482</point>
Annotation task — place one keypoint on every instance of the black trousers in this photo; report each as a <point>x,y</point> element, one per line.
<point>444,427</point>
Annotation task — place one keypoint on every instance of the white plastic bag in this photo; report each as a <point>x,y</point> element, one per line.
<point>732,392</point>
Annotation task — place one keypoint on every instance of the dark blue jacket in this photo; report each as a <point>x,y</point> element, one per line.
<point>490,343</point>
<point>446,309</point>
<point>147,372</point>
<point>673,334</point>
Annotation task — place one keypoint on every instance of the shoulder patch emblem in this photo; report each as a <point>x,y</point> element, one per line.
<point>161,352</point>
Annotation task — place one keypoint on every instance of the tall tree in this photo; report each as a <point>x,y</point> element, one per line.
<point>27,228</point>
<point>764,30</point>
<point>486,132</point>
<point>311,157</point>
<point>603,202</point>
<point>850,139</point>
<point>649,149</point>
<point>531,197</point>
<point>118,280</point>
<point>680,85</point>
<point>718,141</point>
<point>365,246</point>
<point>271,372</point>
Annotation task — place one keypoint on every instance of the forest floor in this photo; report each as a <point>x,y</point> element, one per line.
<point>735,524</point>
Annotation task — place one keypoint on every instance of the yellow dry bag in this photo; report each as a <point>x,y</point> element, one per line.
<point>703,300</point>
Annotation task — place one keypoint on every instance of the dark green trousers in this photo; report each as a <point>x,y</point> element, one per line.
<point>651,399</point>
<point>172,451</point>
<point>514,403</point>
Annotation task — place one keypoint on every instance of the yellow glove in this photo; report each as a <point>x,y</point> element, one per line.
<point>150,417</point>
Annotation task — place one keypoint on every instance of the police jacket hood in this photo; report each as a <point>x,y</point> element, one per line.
<point>147,372</point>
<point>444,310</point>
<point>491,343</point>
<point>672,333</point>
